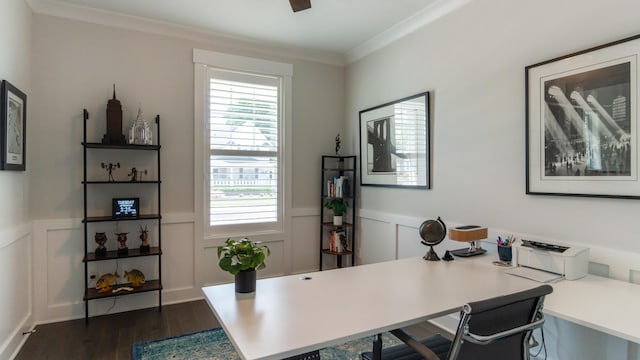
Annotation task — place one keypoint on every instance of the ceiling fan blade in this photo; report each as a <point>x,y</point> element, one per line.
<point>299,5</point>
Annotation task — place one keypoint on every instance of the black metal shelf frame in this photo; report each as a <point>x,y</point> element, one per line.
<point>338,165</point>
<point>149,285</point>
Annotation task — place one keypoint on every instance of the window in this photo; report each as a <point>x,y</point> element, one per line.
<point>243,125</point>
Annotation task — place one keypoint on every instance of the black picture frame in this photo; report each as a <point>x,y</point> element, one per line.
<point>581,121</point>
<point>13,125</point>
<point>395,147</point>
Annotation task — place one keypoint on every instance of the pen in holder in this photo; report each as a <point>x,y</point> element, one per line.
<point>504,248</point>
<point>504,252</point>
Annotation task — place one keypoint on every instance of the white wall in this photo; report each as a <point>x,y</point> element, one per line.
<point>473,63</point>
<point>75,64</point>
<point>15,237</point>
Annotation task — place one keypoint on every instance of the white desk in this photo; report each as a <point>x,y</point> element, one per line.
<point>289,316</point>
<point>603,304</point>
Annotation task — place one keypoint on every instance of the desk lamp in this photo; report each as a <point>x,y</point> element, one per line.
<point>470,234</point>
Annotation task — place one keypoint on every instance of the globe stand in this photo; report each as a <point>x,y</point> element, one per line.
<point>432,233</point>
<point>431,254</point>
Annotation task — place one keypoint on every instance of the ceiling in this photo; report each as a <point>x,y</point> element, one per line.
<point>337,26</point>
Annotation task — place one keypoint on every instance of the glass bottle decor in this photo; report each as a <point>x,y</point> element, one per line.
<point>140,132</point>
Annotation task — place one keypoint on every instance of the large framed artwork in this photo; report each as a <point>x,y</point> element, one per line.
<point>582,123</point>
<point>394,143</point>
<point>13,110</point>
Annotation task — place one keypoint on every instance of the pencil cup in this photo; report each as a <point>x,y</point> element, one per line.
<point>504,253</point>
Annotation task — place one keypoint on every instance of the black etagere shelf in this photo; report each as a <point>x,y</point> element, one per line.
<point>334,167</point>
<point>149,285</point>
<point>113,254</point>
<point>91,293</point>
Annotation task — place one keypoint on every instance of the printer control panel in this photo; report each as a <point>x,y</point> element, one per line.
<point>544,246</point>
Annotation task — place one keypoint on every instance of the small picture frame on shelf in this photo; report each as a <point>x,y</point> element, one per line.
<point>123,208</point>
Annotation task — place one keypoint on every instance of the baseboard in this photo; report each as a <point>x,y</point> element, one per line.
<point>14,343</point>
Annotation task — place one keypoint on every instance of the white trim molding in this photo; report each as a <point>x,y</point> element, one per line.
<point>429,14</point>
<point>136,23</point>
<point>13,234</point>
<point>16,235</point>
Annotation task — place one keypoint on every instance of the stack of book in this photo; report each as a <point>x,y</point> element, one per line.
<point>338,241</point>
<point>338,187</point>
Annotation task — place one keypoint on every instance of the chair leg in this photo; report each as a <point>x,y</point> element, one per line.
<point>377,347</point>
<point>418,347</point>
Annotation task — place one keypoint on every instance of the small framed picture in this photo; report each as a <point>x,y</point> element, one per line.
<point>13,126</point>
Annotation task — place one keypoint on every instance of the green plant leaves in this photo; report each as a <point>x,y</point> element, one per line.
<point>338,206</point>
<point>242,254</point>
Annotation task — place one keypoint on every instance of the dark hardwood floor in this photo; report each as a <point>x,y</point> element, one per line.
<point>111,336</point>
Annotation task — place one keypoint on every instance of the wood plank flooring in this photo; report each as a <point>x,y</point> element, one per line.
<point>111,336</point>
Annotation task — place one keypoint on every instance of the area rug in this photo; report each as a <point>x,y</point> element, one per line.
<point>214,345</point>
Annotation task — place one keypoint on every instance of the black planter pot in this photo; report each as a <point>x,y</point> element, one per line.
<point>246,281</point>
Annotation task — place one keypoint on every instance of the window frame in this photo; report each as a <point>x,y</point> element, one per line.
<point>205,62</point>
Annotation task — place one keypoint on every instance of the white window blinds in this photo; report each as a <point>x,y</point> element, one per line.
<point>244,113</point>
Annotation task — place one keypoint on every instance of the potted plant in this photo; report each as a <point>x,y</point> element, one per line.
<point>339,207</point>
<point>242,258</point>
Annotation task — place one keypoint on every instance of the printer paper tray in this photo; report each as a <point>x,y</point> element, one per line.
<point>534,274</point>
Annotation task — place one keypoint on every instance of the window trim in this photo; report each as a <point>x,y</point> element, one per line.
<point>203,60</point>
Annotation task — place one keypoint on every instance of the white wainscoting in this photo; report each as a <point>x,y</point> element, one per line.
<point>59,270</point>
<point>187,263</point>
<point>389,236</point>
<point>305,241</point>
<point>16,285</point>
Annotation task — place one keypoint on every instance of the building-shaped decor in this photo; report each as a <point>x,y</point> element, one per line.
<point>114,122</point>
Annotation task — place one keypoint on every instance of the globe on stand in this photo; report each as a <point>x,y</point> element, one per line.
<point>432,233</point>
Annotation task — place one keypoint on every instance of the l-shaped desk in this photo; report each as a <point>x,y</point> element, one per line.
<point>295,314</point>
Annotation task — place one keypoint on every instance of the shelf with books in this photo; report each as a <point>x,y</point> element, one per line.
<point>332,252</point>
<point>332,225</point>
<point>338,200</point>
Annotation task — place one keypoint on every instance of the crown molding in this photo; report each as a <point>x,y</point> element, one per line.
<point>216,39</point>
<point>429,14</point>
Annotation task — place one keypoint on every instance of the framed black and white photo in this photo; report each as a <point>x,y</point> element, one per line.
<point>394,143</point>
<point>582,123</point>
<point>13,127</point>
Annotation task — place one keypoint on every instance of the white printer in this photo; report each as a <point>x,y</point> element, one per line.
<point>570,261</point>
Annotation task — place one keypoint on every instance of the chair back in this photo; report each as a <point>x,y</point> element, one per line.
<point>499,328</point>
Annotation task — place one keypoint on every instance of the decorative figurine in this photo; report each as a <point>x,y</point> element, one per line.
<point>134,174</point>
<point>101,239</point>
<point>135,277</point>
<point>122,244</point>
<point>106,281</point>
<point>114,122</point>
<point>140,133</point>
<point>144,237</point>
<point>338,144</point>
<point>109,168</point>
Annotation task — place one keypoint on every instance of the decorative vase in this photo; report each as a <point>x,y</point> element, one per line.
<point>337,220</point>
<point>246,281</point>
